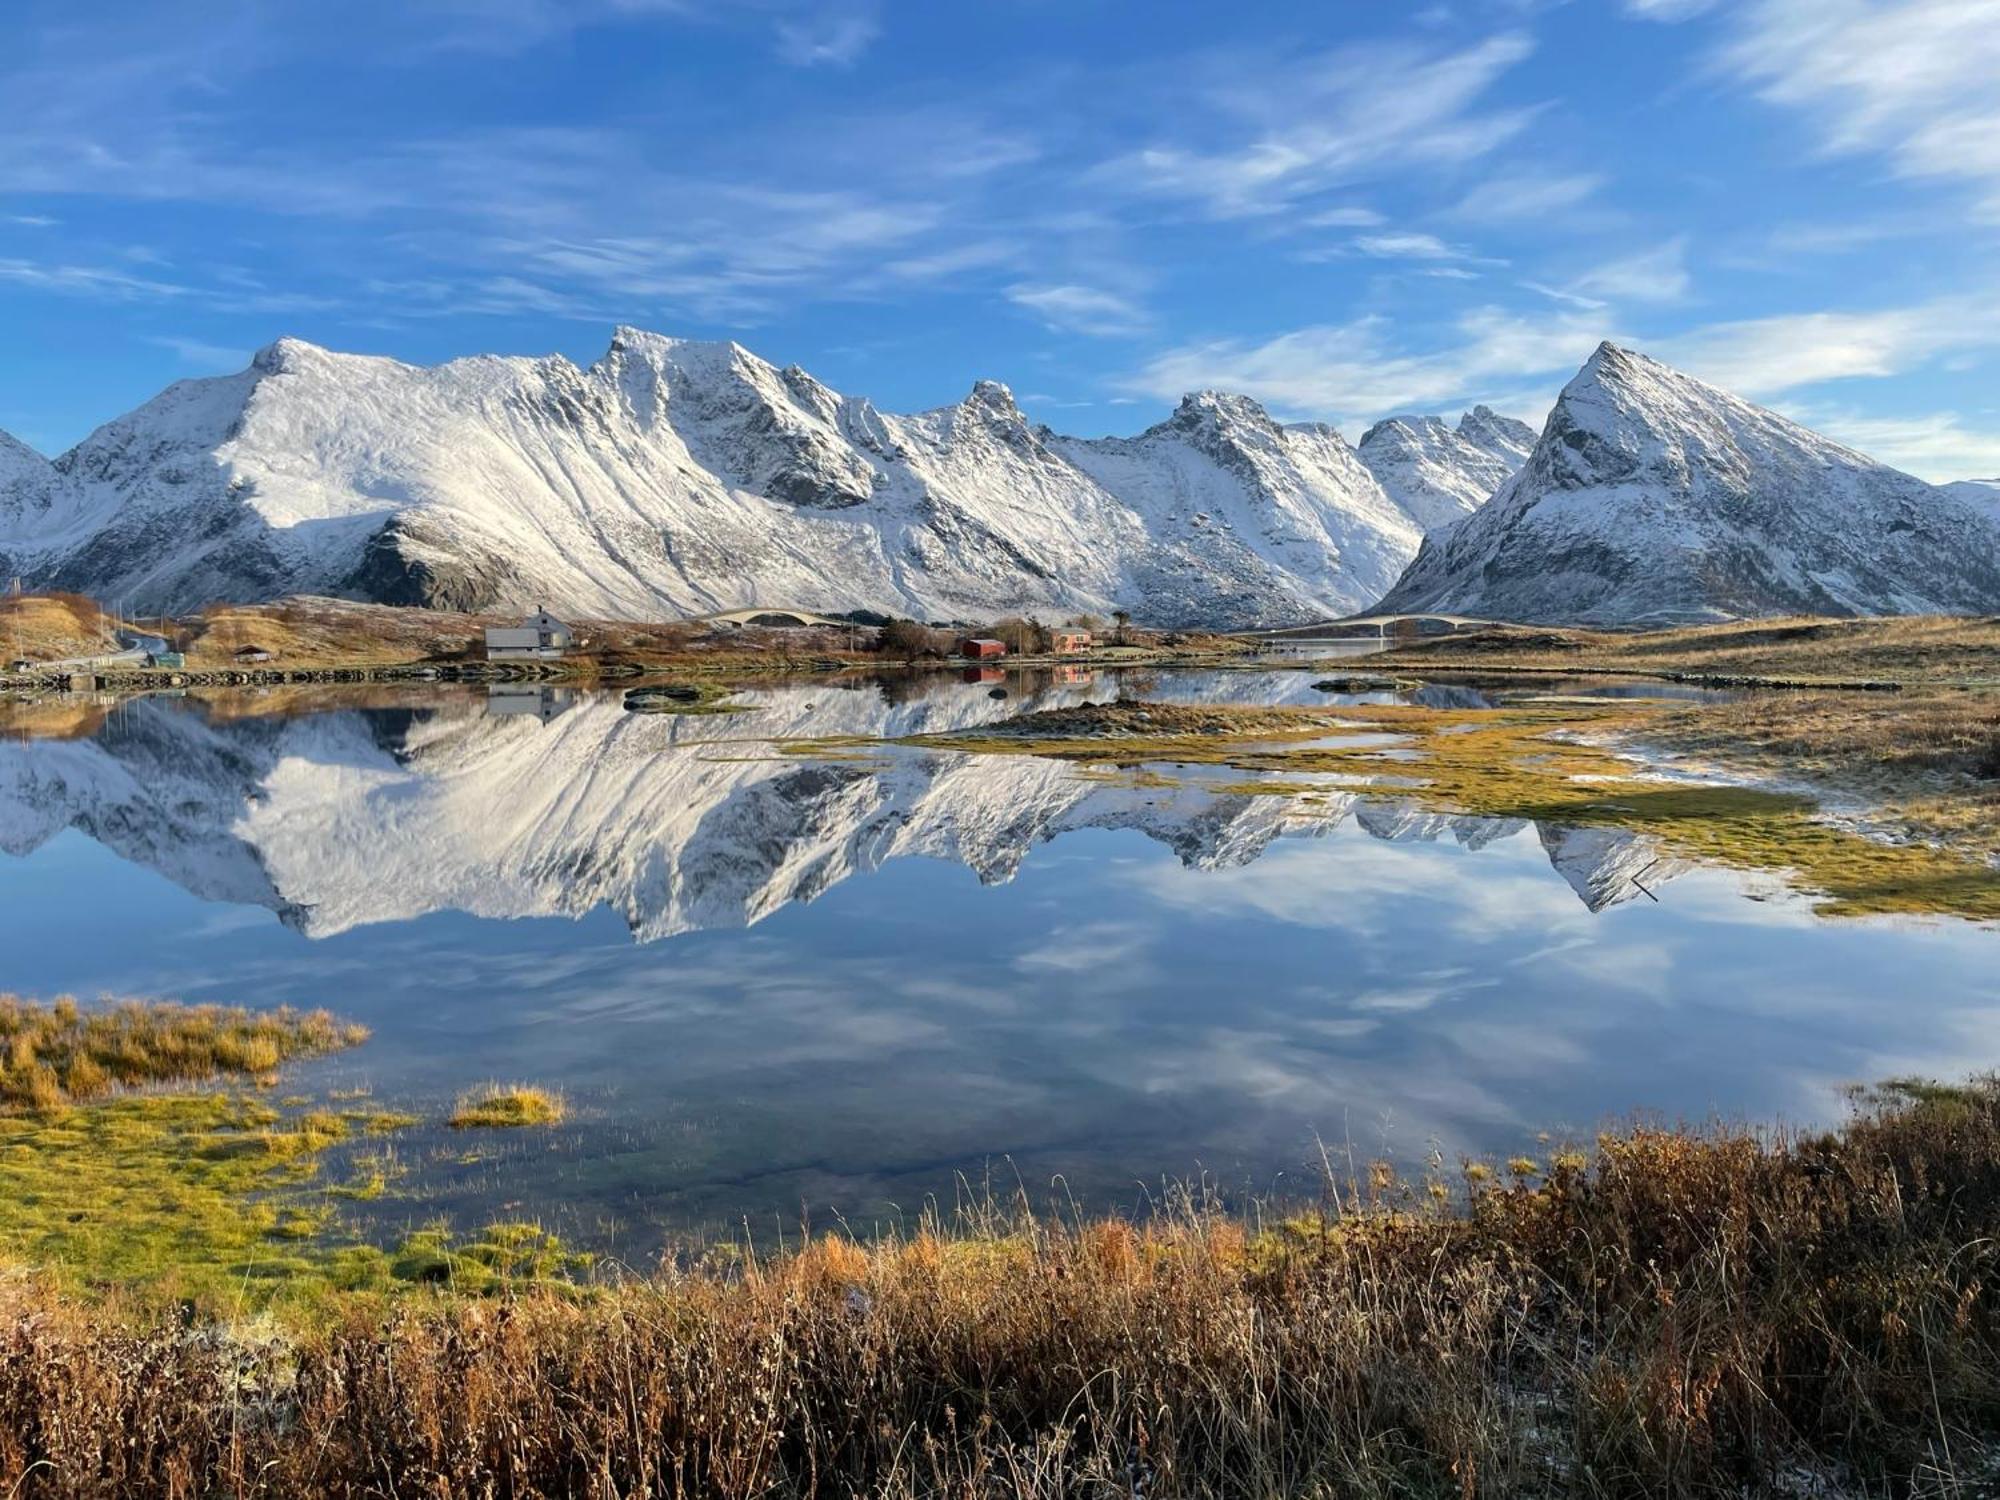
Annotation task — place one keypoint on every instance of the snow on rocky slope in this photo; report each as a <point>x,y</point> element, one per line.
<point>1653,498</point>
<point>1256,510</point>
<point>344,819</point>
<point>1439,474</point>
<point>18,461</point>
<point>25,479</point>
<point>1981,494</point>
<point>681,477</point>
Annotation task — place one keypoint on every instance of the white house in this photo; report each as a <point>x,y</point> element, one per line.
<point>540,637</point>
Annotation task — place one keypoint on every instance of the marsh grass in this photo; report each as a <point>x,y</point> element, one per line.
<point>64,1053</point>
<point>196,1195</point>
<point>508,1107</point>
<point>1715,1312</point>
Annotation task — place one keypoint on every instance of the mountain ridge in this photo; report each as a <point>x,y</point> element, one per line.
<point>686,476</point>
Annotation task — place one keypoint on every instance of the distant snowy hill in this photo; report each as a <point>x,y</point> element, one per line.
<point>1652,497</point>
<point>1439,474</point>
<point>682,477</point>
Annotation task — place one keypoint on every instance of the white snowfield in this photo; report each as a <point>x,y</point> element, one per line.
<point>680,477</point>
<point>345,819</point>
<point>1652,498</point>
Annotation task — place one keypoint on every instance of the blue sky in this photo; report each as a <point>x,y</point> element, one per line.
<point>1343,209</point>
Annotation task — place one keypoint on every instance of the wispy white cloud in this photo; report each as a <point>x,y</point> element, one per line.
<point>1667,10</point>
<point>1345,217</point>
<point>100,282</point>
<point>1081,309</point>
<point>1656,275</point>
<point>1308,127</point>
<point>1357,371</point>
<point>1406,245</point>
<point>200,355</point>
<point>1913,79</point>
<point>1517,196</point>
<point>1937,446</point>
<point>1766,356</point>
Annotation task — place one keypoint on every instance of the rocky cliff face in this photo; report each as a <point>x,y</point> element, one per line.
<point>676,477</point>
<point>1652,498</point>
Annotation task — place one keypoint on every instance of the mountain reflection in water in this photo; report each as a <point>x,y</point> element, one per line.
<point>543,801</point>
<point>1138,977</point>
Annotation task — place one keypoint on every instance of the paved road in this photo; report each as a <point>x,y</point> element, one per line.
<point>137,648</point>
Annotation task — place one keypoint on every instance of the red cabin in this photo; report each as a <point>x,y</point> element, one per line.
<point>981,648</point>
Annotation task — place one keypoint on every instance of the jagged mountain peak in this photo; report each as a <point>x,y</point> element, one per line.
<point>1496,433</point>
<point>992,398</point>
<point>1209,411</point>
<point>1438,473</point>
<point>1653,497</point>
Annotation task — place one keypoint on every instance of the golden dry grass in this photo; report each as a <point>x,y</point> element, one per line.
<point>1677,1313</point>
<point>64,1053</point>
<point>1907,649</point>
<point>52,627</point>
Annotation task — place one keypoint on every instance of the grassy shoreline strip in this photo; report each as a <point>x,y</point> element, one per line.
<point>1692,1312</point>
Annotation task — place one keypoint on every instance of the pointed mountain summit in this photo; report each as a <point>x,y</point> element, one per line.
<point>1654,498</point>
<point>1439,474</point>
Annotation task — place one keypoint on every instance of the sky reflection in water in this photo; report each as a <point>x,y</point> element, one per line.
<point>1003,965</point>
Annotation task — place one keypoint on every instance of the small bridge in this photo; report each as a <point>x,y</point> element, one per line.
<point>1376,627</point>
<point>774,617</point>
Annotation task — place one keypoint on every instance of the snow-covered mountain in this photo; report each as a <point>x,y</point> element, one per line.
<point>681,477</point>
<point>1652,498</point>
<point>342,819</point>
<point>1439,474</point>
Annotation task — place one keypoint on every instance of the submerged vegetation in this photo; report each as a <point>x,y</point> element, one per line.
<point>508,1107</point>
<point>65,1053</point>
<point>1694,1312</point>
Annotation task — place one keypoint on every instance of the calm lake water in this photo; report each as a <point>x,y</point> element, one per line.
<point>771,985</point>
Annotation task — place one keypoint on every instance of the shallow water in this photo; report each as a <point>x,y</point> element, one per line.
<point>844,986</point>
